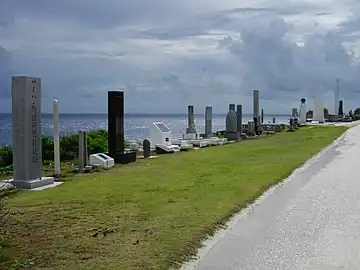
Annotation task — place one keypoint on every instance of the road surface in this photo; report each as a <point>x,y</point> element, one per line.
<point>311,221</point>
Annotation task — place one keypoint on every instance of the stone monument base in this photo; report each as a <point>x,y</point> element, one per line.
<point>231,136</point>
<point>242,136</point>
<point>31,184</point>
<point>125,157</point>
<point>151,157</point>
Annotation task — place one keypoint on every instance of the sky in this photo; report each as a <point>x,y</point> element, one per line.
<point>167,54</point>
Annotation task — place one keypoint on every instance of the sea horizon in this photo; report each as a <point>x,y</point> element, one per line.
<point>136,125</point>
<point>150,114</point>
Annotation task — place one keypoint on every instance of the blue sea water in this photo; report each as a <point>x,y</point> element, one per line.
<point>136,125</point>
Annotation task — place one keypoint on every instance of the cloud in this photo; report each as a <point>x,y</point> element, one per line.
<point>167,54</point>
<point>5,73</point>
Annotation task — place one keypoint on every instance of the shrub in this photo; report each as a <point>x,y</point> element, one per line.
<point>69,147</point>
<point>6,156</point>
<point>357,111</point>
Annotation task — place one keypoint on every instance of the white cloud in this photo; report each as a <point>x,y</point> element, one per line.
<point>199,52</point>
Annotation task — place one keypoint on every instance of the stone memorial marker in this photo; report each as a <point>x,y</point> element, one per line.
<point>56,136</point>
<point>294,113</point>
<point>251,128</point>
<point>232,107</point>
<point>291,122</point>
<point>146,148</point>
<point>26,133</point>
<point>116,141</point>
<point>256,105</point>
<point>318,114</point>
<point>191,120</point>
<point>231,126</point>
<point>208,122</point>
<point>302,114</point>
<point>341,108</point>
<point>296,123</point>
<point>239,119</point>
<point>83,151</point>
<point>256,126</point>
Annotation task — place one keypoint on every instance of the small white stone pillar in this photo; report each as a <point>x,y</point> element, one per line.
<point>56,131</point>
<point>26,133</point>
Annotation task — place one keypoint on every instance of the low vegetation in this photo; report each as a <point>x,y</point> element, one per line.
<point>152,214</point>
<point>69,145</point>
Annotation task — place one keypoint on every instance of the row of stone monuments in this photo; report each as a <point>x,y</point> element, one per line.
<point>233,122</point>
<point>26,134</point>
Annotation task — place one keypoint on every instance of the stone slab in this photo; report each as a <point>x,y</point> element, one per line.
<point>151,157</point>
<point>32,184</point>
<point>55,184</point>
<point>125,158</point>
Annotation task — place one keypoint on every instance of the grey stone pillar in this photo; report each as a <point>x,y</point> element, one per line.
<point>26,133</point>
<point>239,119</point>
<point>251,128</point>
<point>208,121</point>
<point>191,120</point>
<point>83,152</point>
<point>291,124</point>
<point>256,104</point>
<point>294,113</point>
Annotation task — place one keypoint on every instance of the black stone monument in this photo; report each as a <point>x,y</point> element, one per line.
<point>239,119</point>
<point>116,142</point>
<point>146,148</point>
<point>341,108</point>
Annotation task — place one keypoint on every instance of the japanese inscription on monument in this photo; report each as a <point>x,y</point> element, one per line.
<point>34,129</point>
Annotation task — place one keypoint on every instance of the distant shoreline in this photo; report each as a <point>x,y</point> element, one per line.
<point>148,114</point>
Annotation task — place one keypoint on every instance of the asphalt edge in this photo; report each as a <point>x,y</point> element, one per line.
<point>220,234</point>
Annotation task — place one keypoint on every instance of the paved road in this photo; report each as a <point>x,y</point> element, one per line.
<point>312,221</point>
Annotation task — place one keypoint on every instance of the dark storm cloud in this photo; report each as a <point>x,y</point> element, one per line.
<point>257,53</point>
<point>94,13</point>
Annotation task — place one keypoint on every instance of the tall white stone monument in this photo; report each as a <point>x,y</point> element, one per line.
<point>26,134</point>
<point>318,114</point>
<point>56,131</point>
<point>302,115</point>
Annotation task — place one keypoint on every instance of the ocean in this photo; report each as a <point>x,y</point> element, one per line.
<point>136,125</point>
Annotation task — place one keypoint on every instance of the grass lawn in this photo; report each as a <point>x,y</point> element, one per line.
<point>152,214</point>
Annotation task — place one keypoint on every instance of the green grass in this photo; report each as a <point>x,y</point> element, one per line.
<point>152,214</point>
